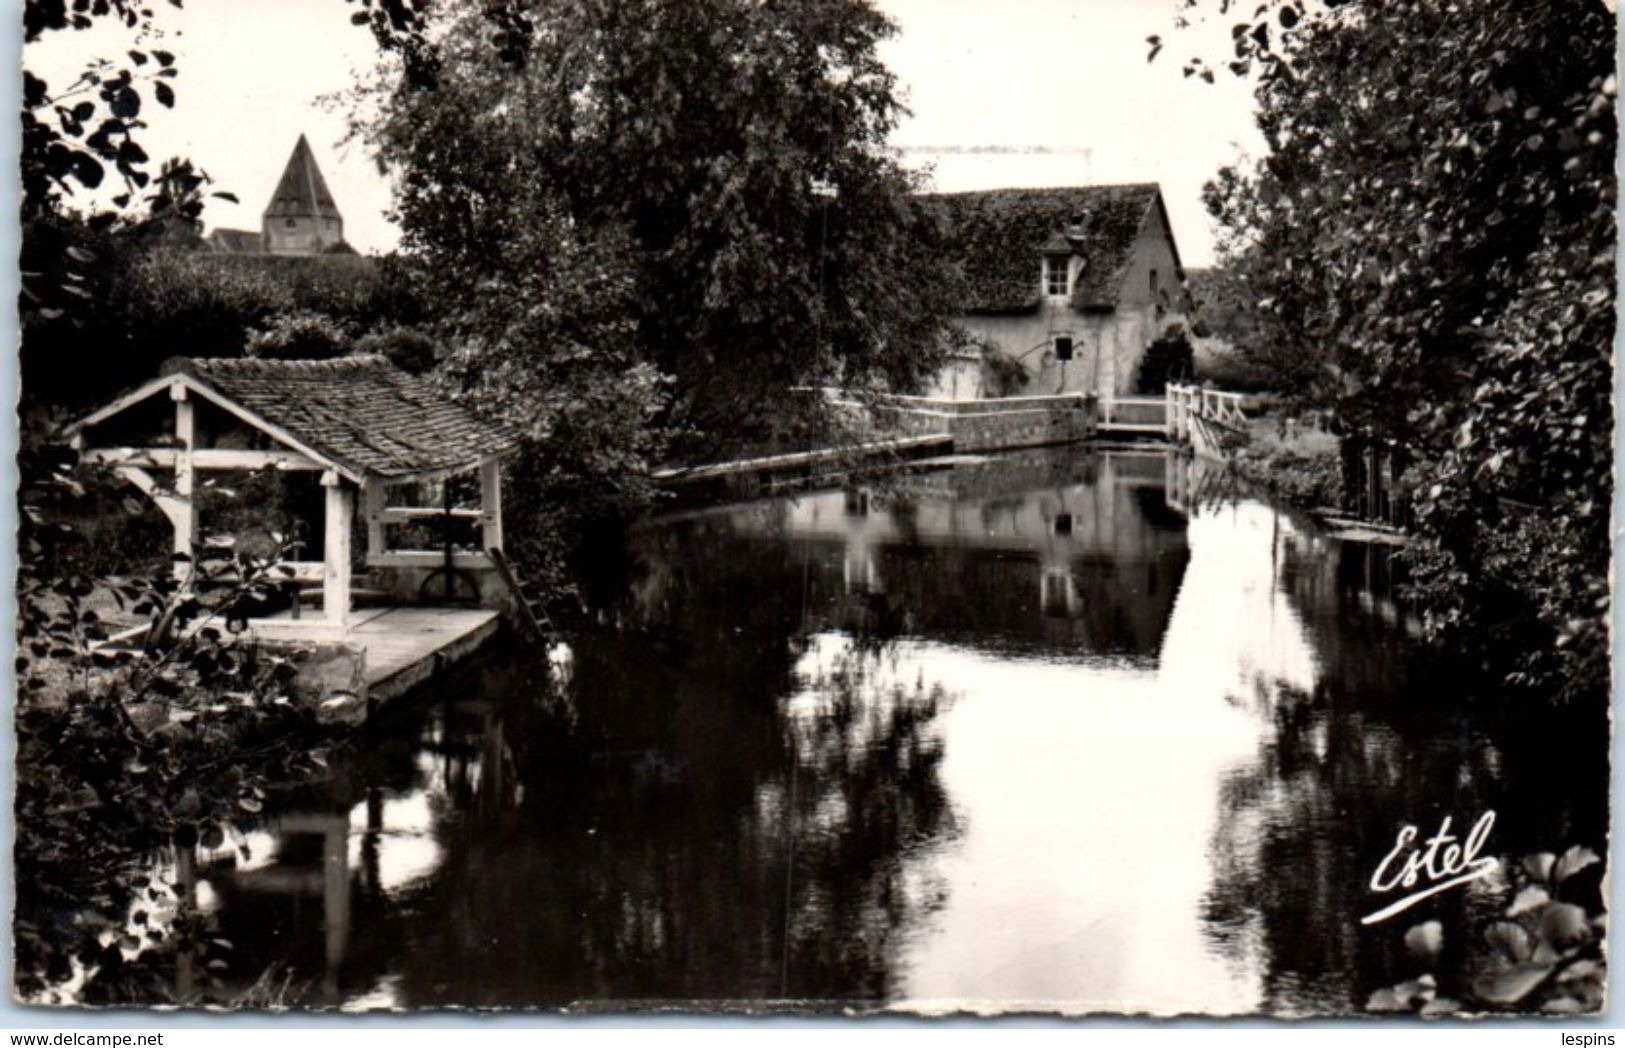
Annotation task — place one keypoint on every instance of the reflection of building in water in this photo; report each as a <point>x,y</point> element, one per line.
<point>1076,552</point>
<point>1117,767</point>
<point>1058,593</point>
<point>319,891</point>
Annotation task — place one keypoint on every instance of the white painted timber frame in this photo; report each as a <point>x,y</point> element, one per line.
<point>181,387</point>
<point>336,551</point>
<point>341,483</point>
<point>186,516</point>
<point>490,503</point>
<point>202,458</point>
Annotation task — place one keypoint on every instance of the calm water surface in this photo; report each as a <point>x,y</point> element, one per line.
<point>1049,729</point>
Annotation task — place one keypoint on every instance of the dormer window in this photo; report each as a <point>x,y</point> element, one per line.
<point>1055,276</point>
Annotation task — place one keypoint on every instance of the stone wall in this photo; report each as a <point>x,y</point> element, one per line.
<point>988,425</point>
<point>987,431</point>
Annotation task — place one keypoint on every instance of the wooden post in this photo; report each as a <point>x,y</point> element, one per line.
<point>186,905</point>
<point>372,495</point>
<point>336,551</point>
<point>185,506</point>
<point>491,502</point>
<point>335,899</point>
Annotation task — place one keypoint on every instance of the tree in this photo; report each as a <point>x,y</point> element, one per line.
<point>73,134</point>
<point>726,156</point>
<point>1431,241</point>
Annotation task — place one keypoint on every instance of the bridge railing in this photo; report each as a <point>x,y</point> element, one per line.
<point>1186,402</point>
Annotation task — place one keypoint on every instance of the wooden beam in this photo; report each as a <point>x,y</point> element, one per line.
<point>128,400</point>
<point>185,519</point>
<point>169,505</point>
<point>204,458</point>
<point>429,558</point>
<point>373,495</point>
<point>406,514</point>
<point>491,502</point>
<point>336,551</point>
<point>180,386</point>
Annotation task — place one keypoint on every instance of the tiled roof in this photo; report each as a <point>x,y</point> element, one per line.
<point>302,191</point>
<point>362,413</point>
<point>998,235</point>
<point>236,241</point>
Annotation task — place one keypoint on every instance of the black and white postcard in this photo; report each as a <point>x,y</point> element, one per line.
<point>940,507</point>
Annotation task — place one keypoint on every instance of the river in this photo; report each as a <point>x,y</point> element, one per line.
<point>1052,730</point>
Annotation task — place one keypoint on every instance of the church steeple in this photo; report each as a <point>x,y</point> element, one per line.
<point>302,217</point>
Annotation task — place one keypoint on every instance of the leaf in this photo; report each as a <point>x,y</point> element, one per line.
<point>165,94</point>
<point>1513,985</point>
<point>125,103</point>
<point>1511,940</point>
<point>1585,969</point>
<point>1539,866</point>
<point>1531,898</point>
<point>1573,861</point>
<point>249,804</point>
<point>1564,924</point>
<point>1440,1007</point>
<point>1425,941</point>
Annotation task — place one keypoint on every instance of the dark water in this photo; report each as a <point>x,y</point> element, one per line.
<point>1034,730</point>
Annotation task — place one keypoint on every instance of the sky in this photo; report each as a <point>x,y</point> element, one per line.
<point>1046,93</point>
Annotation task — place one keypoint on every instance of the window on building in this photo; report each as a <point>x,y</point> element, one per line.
<point>1055,282</point>
<point>1156,287</point>
<point>1058,593</point>
<point>1063,347</point>
<point>291,223</point>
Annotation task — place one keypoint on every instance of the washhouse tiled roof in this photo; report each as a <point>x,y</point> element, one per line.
<point>362,413</point>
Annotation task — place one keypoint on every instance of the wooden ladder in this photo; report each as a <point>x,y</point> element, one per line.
<point>525,606</point>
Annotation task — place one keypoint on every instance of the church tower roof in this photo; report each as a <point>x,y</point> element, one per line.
<point>302,191</point>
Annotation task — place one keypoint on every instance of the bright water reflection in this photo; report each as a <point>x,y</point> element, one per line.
<point>1036,731</point>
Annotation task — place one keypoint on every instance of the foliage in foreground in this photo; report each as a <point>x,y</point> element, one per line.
<point>126,754</point>
<point>1431,244</point>
<point>1544,955</point>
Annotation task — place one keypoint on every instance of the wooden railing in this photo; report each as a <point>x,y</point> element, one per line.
<point>1189,402</point>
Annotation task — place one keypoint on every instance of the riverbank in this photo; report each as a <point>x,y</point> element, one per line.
<point>1299,465</point>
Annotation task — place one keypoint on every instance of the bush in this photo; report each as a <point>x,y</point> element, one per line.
<point>407,348</point>
<point>1168,359</point>
<point>299,336</point>
<point>1002,376</point>
<point>133,305</point>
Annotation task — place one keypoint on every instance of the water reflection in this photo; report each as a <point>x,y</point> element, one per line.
<point>1046,730</point>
